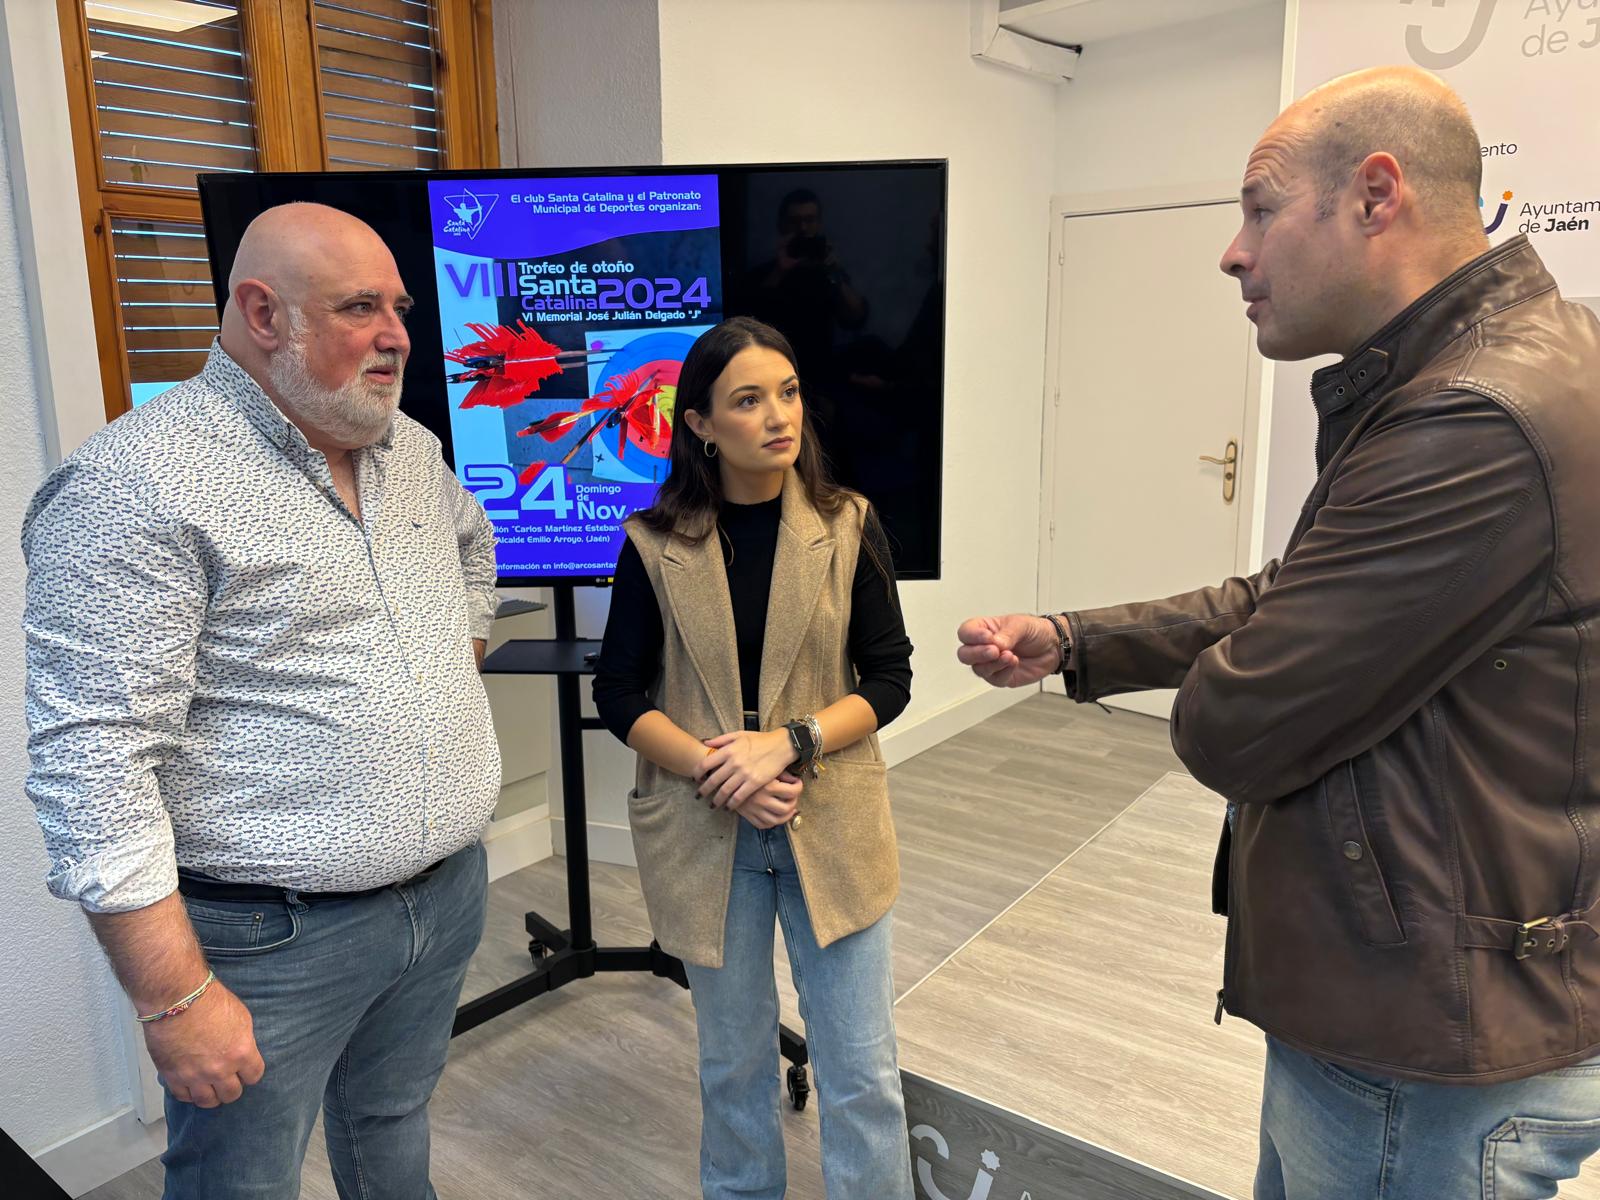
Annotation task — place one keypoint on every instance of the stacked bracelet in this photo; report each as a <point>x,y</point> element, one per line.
<point>1063,638</point>
<point>805,735</point>
<point>182,1005</point>
<point>816,743</point>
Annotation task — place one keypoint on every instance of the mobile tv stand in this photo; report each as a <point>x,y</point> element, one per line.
<point>561,956</point>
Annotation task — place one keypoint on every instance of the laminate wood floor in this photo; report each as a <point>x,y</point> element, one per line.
<point>590,1091</point>
<point>1089,1006</point>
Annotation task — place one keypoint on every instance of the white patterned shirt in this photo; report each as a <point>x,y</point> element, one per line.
<point>229,672</point>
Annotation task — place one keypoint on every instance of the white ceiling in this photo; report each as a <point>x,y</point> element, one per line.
<point>1082,22</point>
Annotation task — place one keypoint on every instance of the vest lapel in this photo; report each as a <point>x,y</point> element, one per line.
<point>805,550</point>
<point>697,590</point>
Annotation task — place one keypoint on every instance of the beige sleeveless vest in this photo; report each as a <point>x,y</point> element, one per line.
<point>843,837</point>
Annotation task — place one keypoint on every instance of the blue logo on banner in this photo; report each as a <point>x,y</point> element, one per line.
<point>468,212</point>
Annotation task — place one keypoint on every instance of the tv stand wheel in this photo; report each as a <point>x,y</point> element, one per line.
<point>538,950</point>
<point>799,1087</point>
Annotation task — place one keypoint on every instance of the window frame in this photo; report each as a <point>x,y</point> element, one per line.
<point>281,64</point>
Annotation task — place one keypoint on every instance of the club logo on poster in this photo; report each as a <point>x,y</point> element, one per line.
<point>468,212</point>
<point>565,323</point>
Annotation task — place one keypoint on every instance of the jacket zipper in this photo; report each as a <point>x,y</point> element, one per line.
<point>1321,450</point>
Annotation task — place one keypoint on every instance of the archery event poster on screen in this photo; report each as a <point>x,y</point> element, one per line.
<point>566,308</point>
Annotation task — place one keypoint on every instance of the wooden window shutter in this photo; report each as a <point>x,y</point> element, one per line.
<point>161,90</point>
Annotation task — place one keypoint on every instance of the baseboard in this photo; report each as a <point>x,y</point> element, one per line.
<point>901,742</point>
<point>607,843</point>
<point>518,841</point>
<point>103,1151</point>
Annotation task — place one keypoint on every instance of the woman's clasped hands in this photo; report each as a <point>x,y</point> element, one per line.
<point>747,773</point>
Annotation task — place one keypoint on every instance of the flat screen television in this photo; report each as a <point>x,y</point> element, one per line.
<point>554,308</point>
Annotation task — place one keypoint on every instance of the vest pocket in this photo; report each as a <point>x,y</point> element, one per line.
<point>844,845</point>
<point>684,850</point>
<point>1350,828</point>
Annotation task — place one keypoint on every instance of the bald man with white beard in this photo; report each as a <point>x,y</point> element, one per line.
<point>262,756</point>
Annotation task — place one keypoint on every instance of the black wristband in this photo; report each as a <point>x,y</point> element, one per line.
<point>1063,639</point>
<point>805,747</point>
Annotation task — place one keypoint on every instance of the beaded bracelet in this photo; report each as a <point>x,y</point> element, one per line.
<point>182,1005</point>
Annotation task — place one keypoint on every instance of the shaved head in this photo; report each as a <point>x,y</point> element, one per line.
<point>295,247</point>
<point>1404,111</point>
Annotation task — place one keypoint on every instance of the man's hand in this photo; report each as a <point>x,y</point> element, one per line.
<point>741,764</point>
<point>207,1054</point>
<point>774,804</point>
<point>1009,651</point>
<point>478,647</point>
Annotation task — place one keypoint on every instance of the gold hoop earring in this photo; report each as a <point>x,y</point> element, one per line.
<point>709,447</point>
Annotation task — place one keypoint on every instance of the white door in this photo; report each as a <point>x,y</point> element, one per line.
<point>1152,371</point>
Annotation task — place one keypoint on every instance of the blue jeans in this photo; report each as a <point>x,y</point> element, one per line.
<point>353,1001</point>
<point>847,1002</point>
<point>1331,1133</point>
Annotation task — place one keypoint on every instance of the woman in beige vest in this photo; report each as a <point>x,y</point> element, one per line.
<point>754,647</point>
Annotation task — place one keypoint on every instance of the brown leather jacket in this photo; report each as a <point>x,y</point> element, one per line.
<point>1400,710</point>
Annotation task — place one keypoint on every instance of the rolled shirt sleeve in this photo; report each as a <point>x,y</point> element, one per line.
<point>115,602</point>
<point>475,536</point>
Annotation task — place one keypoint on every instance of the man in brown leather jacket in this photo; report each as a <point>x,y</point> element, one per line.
<point>1404,712</point>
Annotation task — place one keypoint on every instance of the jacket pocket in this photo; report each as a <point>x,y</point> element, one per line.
<point>1350,826</point>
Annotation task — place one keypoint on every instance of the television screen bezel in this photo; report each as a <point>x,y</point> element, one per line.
<point>206,181</point>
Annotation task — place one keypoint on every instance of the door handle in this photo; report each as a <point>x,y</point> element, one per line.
<point>1230,468</point>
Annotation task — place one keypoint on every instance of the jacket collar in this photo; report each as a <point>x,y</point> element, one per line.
<point>1493,281</point>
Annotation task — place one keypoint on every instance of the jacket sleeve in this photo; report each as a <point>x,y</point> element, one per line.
<point>1137,647</point>
<point>1436,542</point>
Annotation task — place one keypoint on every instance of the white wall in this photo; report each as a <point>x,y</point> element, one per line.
<point>578,81</point>
<point>1176,107</point>
<point>63,1056</point>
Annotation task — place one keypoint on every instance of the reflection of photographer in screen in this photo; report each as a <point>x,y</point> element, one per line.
<point>805,290</point>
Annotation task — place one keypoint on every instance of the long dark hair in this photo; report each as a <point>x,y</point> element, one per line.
<point>689,501</point>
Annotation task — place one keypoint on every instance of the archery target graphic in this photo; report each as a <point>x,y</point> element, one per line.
<point>653,355</point>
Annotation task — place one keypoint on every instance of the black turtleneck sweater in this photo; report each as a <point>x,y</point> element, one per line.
<point>631,654</point>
